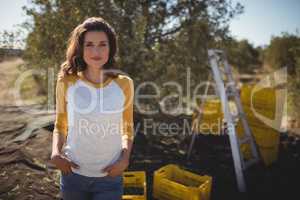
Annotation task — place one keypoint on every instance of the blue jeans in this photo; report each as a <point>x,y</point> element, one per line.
<point>77,187</point>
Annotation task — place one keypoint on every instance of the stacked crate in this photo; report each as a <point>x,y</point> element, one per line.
<point>210,120</point>
<point>134,184</point>
<point>267,138</point>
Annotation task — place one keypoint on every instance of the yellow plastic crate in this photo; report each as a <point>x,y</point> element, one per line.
<point>259,97</point>
<point>134,184</point>
<point>173,183</point>
<point>209,125</point>
<point>266,137</point>
<point>267,140</point>
<point>263,101</point>
<point>254,122</point>
<point>266,112</point>
<point>212,107</point>
<point>268,154</point>
<point>263,135</point>
<point>211,118</point>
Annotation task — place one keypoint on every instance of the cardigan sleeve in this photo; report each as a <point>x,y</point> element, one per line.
<point>128,111</point>
<point>127,85</point>
<point>61,121</point>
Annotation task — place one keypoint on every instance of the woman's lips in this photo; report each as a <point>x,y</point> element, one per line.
<point>96,58</point>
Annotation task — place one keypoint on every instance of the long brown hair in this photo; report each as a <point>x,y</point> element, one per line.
<point>74,56</point>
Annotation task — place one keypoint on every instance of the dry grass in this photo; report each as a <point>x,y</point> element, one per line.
<point>11,70</point>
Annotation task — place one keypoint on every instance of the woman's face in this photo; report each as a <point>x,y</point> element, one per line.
<point>95,49</point>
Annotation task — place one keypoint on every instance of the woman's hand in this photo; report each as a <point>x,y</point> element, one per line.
<point>63,163</point>
<point>117,168</point>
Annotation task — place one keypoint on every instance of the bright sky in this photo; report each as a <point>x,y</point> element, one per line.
<point>11,13</point>
<point>261,19</point>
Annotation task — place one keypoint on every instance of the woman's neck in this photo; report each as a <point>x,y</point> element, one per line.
<point>95,75</point>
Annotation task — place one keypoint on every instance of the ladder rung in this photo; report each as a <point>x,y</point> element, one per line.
<point>239,116</point>
<point>231,83</point>
<point>230,93</point>
<point>226,72</point>
<point>245,140</point>
<point>232,88</point>
<point>242,115</point>
<point>249,163</point>
<point>222,70</point>
<point>236,118</point>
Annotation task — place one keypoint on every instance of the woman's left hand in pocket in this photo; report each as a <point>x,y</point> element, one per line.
<point>117,168</point>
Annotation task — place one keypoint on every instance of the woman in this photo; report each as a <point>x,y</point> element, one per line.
<point>93,132</point>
